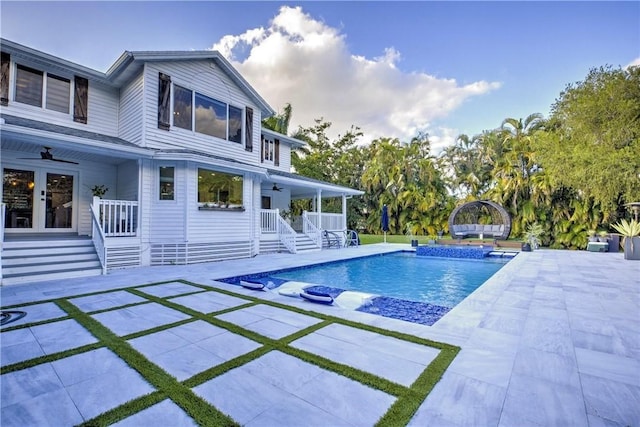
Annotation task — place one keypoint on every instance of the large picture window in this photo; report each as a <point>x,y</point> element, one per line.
<point>219,189</point>
<point>182,107</point>
<point>203,114</point>
<point>211,116</point>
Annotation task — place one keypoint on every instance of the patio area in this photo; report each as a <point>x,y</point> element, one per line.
<point>552,339</point>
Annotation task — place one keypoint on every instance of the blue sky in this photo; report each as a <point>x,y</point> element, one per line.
<point>391,68</point>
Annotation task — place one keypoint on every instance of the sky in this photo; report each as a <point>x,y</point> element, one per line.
<point>392,69</point>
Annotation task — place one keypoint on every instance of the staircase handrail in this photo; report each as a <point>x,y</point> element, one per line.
<point>286,235</point>
<point>310,230</point>
<point>98,238</point>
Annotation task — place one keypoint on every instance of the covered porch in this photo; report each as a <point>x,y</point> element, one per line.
<point>278,222</point>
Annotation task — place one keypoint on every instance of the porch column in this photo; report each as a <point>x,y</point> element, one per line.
<point>319,208</point>
<point>344,212</point>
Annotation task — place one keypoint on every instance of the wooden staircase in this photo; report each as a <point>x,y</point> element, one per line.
<point>36,260</point>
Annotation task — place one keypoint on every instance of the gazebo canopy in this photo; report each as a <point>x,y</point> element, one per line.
<point>483,212</point>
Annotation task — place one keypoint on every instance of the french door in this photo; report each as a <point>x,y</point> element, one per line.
<point>38,200</point>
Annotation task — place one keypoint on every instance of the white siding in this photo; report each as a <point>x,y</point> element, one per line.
<point>102,106</point>
<point>167,220</point>
<point>128,181</point>
<point>131,105</point>
<point>206,79</point>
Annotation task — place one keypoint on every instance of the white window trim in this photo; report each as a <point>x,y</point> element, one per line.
<point>193,131</point>
<point>13,90</point>
<point>156,197</point>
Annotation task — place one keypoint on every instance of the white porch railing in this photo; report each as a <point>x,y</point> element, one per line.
<point>269,220</point>
<point>117,218</point>
<point>329,221</point>
<point>97,235</point>
<point>309,229</point>
<point>287,235</point>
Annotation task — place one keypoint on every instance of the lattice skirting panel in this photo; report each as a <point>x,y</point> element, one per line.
<point>193,253</point>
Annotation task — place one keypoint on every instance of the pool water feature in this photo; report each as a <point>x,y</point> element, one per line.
<point>419,289</point>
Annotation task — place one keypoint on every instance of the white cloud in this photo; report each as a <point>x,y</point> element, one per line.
<point>302,61</point>
<point>634,63</point>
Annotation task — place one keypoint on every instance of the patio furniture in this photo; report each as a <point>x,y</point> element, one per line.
<point>256,286</point>
<point>465,220</point>
<point>597,246</point>
<point>351,238</point>
<point>333,240</point>
<point>318,297</point>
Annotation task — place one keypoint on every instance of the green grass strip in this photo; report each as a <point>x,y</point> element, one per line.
<point>408,398</point>
<point>408,403</point>
<point>198,409</point>
<point>48,358</point>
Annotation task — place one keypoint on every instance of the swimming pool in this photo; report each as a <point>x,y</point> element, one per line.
<point>440,281</point>
<point>402,285</point>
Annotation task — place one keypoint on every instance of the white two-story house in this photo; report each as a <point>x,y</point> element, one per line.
<point>159,160</point>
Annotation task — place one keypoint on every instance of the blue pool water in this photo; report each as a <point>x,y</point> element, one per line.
<point>439,281</point>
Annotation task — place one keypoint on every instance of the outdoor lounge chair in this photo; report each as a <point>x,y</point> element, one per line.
<point>351,238</point>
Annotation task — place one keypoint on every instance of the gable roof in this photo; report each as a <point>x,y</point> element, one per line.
<point>130,63</point>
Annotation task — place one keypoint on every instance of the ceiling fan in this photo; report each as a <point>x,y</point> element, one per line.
<point>275,187</point>
<point>46,155</point>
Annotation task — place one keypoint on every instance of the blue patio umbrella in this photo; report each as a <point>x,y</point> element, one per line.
<point>385,221</point>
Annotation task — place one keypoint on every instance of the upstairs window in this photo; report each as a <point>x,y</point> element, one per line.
<point>211,116</point>
<point>270,151</point>
<point>58,93</point>
<point>235,124</point>
<point>29,86</point>
<point>34,87</point>
<point>203,114</point>
<point>182,107</point>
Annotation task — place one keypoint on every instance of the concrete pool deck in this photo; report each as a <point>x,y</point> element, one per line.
<point>553,338</point>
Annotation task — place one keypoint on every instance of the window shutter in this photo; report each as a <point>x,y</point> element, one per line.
<point>261,148</point>
<point>248,129</point>
<point>80,100</point>
<point>4,78</point>
<point>276,153</point>
<point>164,102</point>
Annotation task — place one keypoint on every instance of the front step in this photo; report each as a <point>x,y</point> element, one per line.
<point>39,260</point>
<point>305,244</point>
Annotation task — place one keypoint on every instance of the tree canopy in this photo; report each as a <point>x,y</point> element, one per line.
<point>568,174</point>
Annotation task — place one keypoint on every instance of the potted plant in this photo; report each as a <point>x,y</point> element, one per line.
<point>532,237</point>
<point>98,190</point>
<point>592,235</point>
<point>630,232</point>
